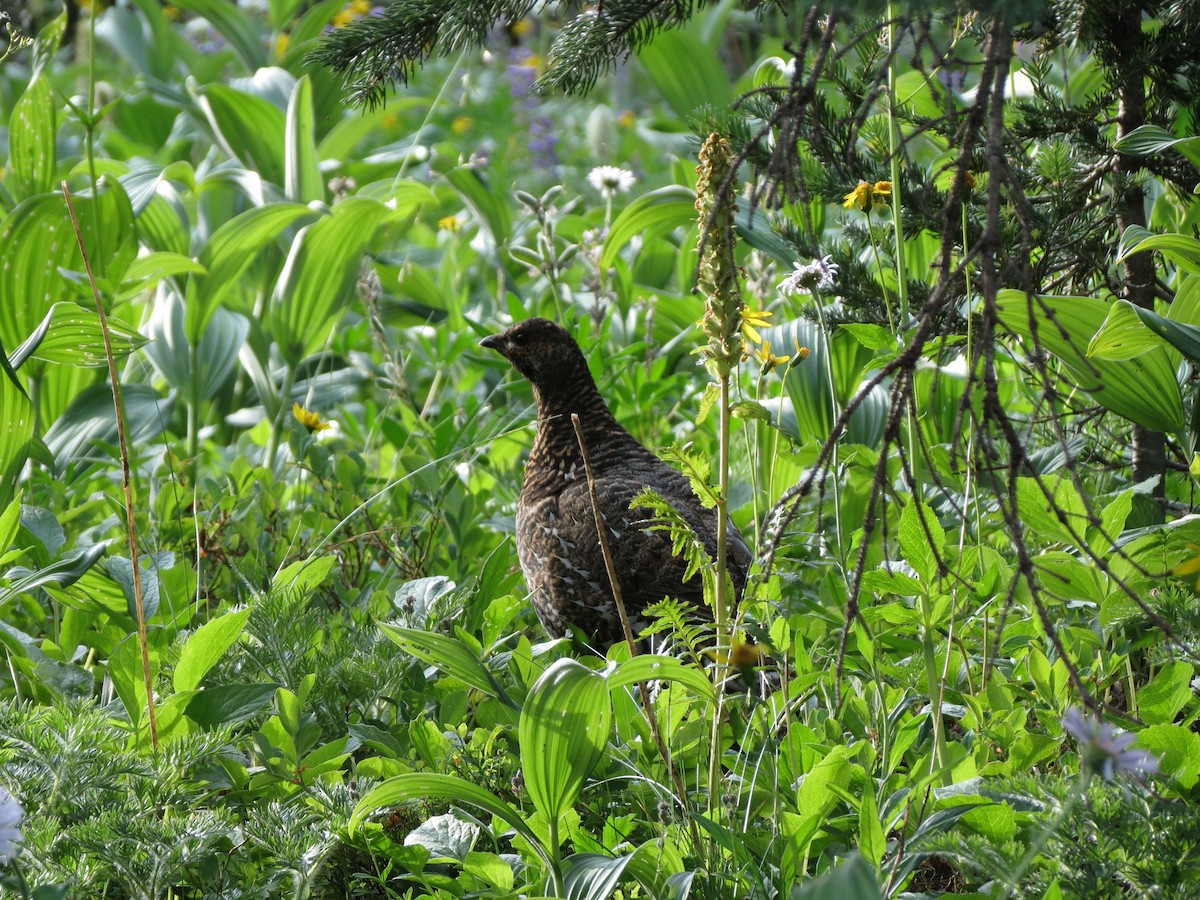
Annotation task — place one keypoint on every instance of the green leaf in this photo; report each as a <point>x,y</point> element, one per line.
<point>61,572</point>
<point>320,271</point>
<point>591,876</point>
<point>654,667</point>
<point>228,704</point>
<point>1038,513</point>
<point>449,655</point>
<point>422,786</point>
<point>1146,140</point>
<point>229,252</point>
<point>872,842</point>
<point>91,418</point>
<point>1143,389</point>
<point>120,569</point>
<point>922,540</point>
<point>1160,701</point>
<point>302,178</point>
<point>72,334</point>
<point>48,42</point>
<point>649,216</point>
<point>235,26</point>
<point>687,72</point>
<point>37,244</point>
<point>16,424</point>
<point>873,337</point>
<point>1122,336</point>
<point>489,203</point>
<point>565,725</point>
<point>128,676</point>
<point>852,878</point>
<point>146,271</point>
<point>1181,249</point>
<point>248,128</point>
<point>1177,749</point>
<point>31,140</point>
<point>303,577</point>
<point>205,647</point>
<point>1183,336</point>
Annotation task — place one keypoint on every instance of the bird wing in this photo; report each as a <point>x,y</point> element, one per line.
<point>647,568</point>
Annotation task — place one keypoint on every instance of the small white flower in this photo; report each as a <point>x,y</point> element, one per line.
<point>818,275</point>
<point>1104,751</point>
<point>610,181</point>
<point>11,814</point>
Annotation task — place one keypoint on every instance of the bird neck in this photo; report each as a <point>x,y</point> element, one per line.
<point>555,458</point>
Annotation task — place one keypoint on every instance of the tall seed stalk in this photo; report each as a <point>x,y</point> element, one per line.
<point>722,324</point>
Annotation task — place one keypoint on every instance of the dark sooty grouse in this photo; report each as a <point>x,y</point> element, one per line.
<point>556,528</point>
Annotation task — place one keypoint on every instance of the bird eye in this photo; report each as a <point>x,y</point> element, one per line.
<point>519,337</point>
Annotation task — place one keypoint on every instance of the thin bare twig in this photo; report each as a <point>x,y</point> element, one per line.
<point>126,478</point>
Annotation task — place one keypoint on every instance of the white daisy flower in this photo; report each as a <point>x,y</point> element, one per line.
<point>818,275</point>
<point>610,181</point>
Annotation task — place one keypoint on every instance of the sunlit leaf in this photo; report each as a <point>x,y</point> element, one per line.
<point>564,728</point>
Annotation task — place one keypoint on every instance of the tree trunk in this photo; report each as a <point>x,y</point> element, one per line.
<point>1149,447</point>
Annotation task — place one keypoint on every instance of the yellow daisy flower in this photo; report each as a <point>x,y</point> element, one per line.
<point>752,320</point>
<point>867,196</point>
<point>450,223</point>
<point>767,359</point>
<point>309,419</point>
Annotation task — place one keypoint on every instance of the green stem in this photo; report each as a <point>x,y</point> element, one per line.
<point>932,676</point>
<point>289,380</point>
<point>836,411</point>
<point>720,601</point>
<point>894,159</point>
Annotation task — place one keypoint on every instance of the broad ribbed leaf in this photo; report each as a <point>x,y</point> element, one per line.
<point>447,654</point>
<point>229,253</point>
<point>650,216</point>
<point>1182,336</point>
<point>1181,249</point>
<point>146,271</point>
<point>16,426</point>
<point>72,334</point>
<point>490,204</point>
<point>37,240</point>
<point>319,274</point>
<point>1150,139</point>
<point>302,179</point>
<point>200,370</point>
<point>653,667</point>
<point>61,572</point>
<point>807,381</point>
<point>422,786</point>
<point>590,876</point>
<point>1142,389</point>
<point>234,25</point>
<point>31,155</point>
<point>91,417</point>
<point>1122,336</point>
<point>687,72</point>
<point>249,128</point>
<point>564,728</point>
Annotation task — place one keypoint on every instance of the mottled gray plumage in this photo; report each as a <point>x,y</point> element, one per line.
<point>556,531</point>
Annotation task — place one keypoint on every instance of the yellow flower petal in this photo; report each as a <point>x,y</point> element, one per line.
<point>309,419</point>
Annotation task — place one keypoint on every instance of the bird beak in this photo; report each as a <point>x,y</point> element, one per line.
<point>493,342</point>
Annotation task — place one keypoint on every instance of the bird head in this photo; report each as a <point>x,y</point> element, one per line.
<point>540,350</point>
